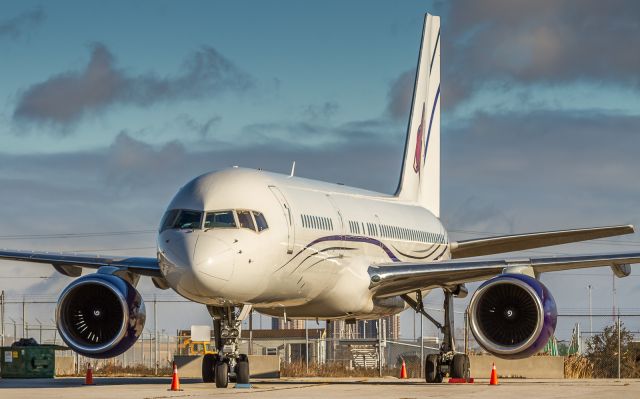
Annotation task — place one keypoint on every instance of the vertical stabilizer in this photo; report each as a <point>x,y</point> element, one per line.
<point>420,178</point>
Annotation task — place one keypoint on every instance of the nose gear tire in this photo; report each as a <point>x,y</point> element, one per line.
<point>222,375</point>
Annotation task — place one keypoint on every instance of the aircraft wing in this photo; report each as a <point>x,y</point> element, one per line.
<point>519,242</point>
<point>403,277</point>
<point>72,264</point>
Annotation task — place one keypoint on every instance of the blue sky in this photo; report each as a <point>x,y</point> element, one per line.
<point>107,108</point>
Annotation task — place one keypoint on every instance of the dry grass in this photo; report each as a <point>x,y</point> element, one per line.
<point>113,370</point>
<point>298,369</point>
<point>577,366</point>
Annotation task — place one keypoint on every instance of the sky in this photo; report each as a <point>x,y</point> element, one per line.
<point>106,109</point>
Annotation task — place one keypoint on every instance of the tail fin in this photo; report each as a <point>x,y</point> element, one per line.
<point>420,179</point>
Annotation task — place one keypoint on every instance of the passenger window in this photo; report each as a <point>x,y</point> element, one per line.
<point>188,220</point>
<point>245,220</point>
<point>261,222</point>
<point>222,219</point>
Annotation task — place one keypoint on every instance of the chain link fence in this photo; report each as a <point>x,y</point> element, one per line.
<point>596,346</point>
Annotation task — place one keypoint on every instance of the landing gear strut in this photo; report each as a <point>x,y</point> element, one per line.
<point>447,361</point>
<point>227,364</point>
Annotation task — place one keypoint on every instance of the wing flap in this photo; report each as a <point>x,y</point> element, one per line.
<point>520,242</point>
<point>69,264</point>
<point>400,278</point>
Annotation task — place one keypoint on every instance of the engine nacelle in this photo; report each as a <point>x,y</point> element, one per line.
<point>512,316</point>
<point>100,315</point>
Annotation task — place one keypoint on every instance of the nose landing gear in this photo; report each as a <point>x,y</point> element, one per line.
<point>228,365</point>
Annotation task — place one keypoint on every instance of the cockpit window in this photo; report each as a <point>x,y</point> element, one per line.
<point>245,220</point>
<point>169,219</point>
<point>221,219</point>
<point>260,221</point>
<point>181,219</point>
<point>188,220</point>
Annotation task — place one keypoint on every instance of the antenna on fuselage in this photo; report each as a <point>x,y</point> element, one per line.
<point>293,169</point>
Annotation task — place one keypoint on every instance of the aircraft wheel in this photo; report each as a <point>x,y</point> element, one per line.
<point>222,375</point>
<point>431,370</point>
<point>208,365</point>
<point>242,370</point>
<point>460,366</point>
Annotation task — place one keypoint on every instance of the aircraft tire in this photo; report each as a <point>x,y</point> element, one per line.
<point>222,375</point>
<point>431,370</point>
<point>242,370</point>
<point>460,366</point>
<point>208,366</point>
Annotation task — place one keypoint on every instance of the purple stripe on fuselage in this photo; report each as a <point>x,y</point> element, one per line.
<point>367,240</point>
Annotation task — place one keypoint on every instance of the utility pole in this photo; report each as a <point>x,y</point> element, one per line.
<point>155,334</point>
<point>251,332</point>
<point>2,318</point>
<point>40,331</point>
<point>24,319</point>
<point>590,312</point>
<point>619,346</point>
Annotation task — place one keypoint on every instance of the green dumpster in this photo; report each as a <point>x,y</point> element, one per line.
<point>37,361</point>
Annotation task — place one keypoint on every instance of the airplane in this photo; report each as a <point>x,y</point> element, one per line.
<point>289,247</point>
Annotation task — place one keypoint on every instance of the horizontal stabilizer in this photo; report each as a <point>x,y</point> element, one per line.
<point>520,242</point>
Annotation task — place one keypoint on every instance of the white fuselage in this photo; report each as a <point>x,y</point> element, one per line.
<point>311,261</point>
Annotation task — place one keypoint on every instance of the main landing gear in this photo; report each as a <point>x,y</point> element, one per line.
<point>438,365</point>
<point>227,365</point>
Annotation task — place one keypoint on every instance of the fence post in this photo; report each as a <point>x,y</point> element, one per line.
<point>2,318</point>
<point>619,345</point>
<point>466,332</point>
<point>379,347</point>
<point>421,345</point>
<point>155,334</point>
<point>306,345</point>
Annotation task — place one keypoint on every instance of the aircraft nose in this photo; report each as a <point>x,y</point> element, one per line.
<point>214,258</point>
<point>195,264</point>
<point>176,255</point>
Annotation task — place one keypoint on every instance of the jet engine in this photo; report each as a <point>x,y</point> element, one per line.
<point>512,316</point>
<point>100,315</point>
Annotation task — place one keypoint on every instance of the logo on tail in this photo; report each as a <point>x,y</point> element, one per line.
<point>418,154</point>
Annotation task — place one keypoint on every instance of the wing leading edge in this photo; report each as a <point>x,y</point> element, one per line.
<point>71,264</point>
<point>520,242</point>
<point>401,278</point>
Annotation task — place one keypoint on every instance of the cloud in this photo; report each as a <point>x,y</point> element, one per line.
<point>548,168</point>
<point>203,129</point>
<point>539,42</point>
<point>64,99</point>
<point>17,26</point>
<point>400,94</point>
<point>322,111</point>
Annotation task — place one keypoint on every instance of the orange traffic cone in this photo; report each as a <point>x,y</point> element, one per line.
<point>403,370</point>
<point>175,381</point>
<point>88,379</point>
<point>494,376</point>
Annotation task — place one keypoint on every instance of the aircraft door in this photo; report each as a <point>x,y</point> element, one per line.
<point>340,221</point>
<point>288,214</point>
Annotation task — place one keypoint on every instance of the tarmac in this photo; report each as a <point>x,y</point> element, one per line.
<point>311,388</point>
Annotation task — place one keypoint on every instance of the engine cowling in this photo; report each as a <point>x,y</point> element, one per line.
<point>512,316</point>
<point>100,315</point>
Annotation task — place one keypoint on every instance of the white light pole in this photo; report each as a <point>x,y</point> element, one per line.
<point>590,312</point>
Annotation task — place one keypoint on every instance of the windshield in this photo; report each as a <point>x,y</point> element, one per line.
<point>246,221</point>
<point>220,219</point>
<point>181,219</point>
